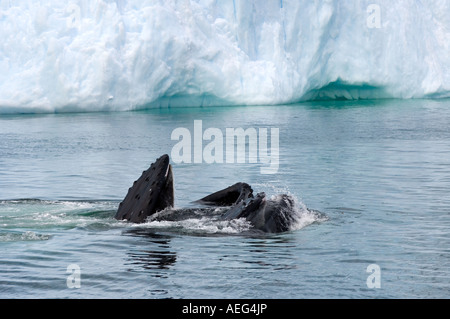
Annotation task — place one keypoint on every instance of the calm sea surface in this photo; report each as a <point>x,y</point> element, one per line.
<point>378,171</point>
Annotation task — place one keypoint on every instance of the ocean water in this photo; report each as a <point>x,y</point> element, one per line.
<point>377,171</point>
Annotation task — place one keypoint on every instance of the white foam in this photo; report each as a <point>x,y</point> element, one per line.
<point>120,55</point>
<point>204,225</point>
<point>24,236</point>
<point>306,217</point>
<point>46,214</point>
<point>302,215</point>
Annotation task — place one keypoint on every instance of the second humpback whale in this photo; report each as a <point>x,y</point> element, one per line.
<point>152,196</point>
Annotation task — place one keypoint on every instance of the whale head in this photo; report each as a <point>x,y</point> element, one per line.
<point>271,215</point>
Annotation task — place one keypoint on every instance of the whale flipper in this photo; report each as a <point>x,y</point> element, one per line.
<point>152,192</point>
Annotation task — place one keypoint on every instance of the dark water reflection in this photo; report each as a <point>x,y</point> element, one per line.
<point>153,254</point>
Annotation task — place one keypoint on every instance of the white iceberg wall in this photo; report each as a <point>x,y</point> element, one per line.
<point>119,55</point>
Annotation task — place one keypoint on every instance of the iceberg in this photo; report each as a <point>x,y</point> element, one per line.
<point>122,55</point>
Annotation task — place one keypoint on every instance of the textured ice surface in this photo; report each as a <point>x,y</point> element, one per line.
<point>120,55</point>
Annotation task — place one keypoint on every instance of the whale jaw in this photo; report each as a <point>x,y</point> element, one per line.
<point>150,193</point>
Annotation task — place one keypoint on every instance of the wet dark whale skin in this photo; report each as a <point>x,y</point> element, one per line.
<point>153,192</point>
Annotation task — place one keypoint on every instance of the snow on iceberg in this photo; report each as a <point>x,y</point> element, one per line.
<point>120,55</point>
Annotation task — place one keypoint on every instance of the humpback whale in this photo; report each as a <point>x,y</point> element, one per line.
<point>153,193</point>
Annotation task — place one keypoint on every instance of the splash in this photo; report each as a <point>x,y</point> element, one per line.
<point>23,236</point>
<point>203,226</point>
<point>35,220</point>
<point>204,221</point>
